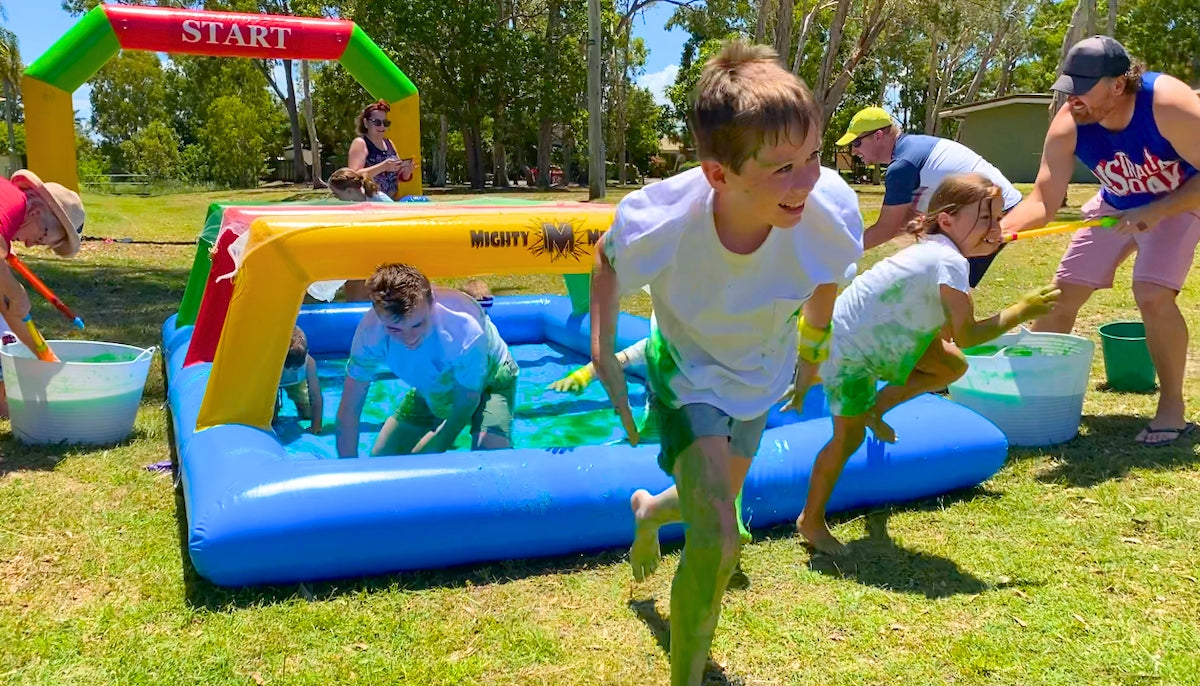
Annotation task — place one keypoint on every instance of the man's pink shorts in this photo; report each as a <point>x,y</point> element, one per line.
<point>1164,253</point>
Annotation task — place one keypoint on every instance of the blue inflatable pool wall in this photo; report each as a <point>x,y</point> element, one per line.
<point>255,515</point>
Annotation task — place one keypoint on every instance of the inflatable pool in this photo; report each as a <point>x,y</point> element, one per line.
<point>267,503</point>
<point>260,511</point>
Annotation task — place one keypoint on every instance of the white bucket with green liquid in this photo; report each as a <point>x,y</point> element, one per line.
<point>1031,385</point>
<point>90,397</point>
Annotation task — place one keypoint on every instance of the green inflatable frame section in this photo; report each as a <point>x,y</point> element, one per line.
<point>90,43</point>
<point>578,285</point>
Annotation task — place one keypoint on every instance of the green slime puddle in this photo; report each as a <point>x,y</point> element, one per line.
<point>107,358</point>
<point>542,418</point>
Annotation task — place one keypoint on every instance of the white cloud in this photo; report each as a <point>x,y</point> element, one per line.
<point>658,82</point>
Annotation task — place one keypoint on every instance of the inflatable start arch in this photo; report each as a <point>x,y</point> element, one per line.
<point>48,82</point>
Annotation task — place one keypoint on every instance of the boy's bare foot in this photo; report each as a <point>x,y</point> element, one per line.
<point>644,553</point>
<point>882,430</point>
<point>819,536</point>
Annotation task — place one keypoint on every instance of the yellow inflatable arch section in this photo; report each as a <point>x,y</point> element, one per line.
<point>284,254</point>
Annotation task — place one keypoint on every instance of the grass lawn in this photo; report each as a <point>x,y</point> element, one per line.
<point>1076,564</point>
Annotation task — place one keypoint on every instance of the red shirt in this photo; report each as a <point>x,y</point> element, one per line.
<point>12,212</point>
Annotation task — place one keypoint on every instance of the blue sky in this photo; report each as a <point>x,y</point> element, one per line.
<point>38,23</point>
<point>663,48</point>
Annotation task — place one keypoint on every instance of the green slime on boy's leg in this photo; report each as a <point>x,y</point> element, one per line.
<point>661,366</point>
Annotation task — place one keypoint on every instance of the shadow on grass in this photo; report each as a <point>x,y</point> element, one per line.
<point>121,302</point>
<point>884,566</point>
<point>879,561</point>
<point>660,628</point>
<point>1107,451</point>
<point>44,458</point>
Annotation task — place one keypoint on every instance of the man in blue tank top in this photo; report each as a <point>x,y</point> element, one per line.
<point>1139,133</point>
<point>916,165</point>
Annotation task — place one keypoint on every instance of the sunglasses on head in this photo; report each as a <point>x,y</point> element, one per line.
<point>380,122</point>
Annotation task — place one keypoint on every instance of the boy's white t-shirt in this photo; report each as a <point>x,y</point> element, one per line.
<point>888,316</point>
<point>462,350</point>
<point>724,330</point>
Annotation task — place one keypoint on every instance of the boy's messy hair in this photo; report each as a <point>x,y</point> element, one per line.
<point>399,288</point>
<point>955,192</point>
<point>746,99</point>
<point>345,180</point>
<point>297,352</point>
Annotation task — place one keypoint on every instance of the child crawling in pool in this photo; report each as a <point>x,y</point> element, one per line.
<point>887,326</point>
<point>300,383</point>
<point>439,342</point>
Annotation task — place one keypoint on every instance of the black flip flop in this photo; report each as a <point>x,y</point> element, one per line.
<point>1179,433</point>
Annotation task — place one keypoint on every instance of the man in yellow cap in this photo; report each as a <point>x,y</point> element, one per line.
<point>916,165</point>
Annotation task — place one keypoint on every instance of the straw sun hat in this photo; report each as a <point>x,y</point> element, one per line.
<point>62,201</point>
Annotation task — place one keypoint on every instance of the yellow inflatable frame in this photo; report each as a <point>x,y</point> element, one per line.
<point>285,254</point>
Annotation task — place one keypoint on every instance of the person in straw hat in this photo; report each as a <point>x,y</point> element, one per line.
<point>34,213</point>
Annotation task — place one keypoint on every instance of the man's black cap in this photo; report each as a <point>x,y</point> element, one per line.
<point>1090,60</point>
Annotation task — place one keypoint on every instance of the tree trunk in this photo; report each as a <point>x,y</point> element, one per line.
<point>545,142</point>
<point>298,167</point>
<point>1075,31</point>
<point>1006,71</point>
<point>872,26</point>
<point>439,159</point>
<point>473,142</point>
<point>833,45</point>
<point>760,28</point>
<point>596,183</point>
<point>622,115</point>
<point>317,179</point>
<point>931,95</point>
<point>1112,17</point>
<point>986,58</point>
<point>810,16</point>
<point>499,155</point>
<point>783,29</point>
<point>1091,18</point>
<point>568,150</point>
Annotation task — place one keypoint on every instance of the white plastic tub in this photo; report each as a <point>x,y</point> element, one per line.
<point>91,397</point>
<point>1031,385</point>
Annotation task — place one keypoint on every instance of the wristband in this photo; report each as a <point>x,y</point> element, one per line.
<point>814,342</point>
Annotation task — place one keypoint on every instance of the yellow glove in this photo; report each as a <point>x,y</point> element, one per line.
<point>574,382</point>
<point>1037,303</point>
<point>814,342</point>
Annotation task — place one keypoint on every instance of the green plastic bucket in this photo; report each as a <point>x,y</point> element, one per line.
<point>1127,363</point>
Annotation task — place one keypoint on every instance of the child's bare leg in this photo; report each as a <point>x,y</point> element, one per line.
<point>652,512</point>
<point>941,364</point>
<point>710,554</point>
<point>848,434</point>
<point>397,438</point>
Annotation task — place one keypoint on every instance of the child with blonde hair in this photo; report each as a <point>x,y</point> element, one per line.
<point>887,327</point>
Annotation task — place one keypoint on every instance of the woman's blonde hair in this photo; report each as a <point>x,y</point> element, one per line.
<point>347,179</point>
<point>955,192</point>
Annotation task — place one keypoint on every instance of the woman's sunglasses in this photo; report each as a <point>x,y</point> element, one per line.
<point>380,122</point>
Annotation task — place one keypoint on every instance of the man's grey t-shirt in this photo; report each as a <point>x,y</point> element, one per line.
<point>919,163</point>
